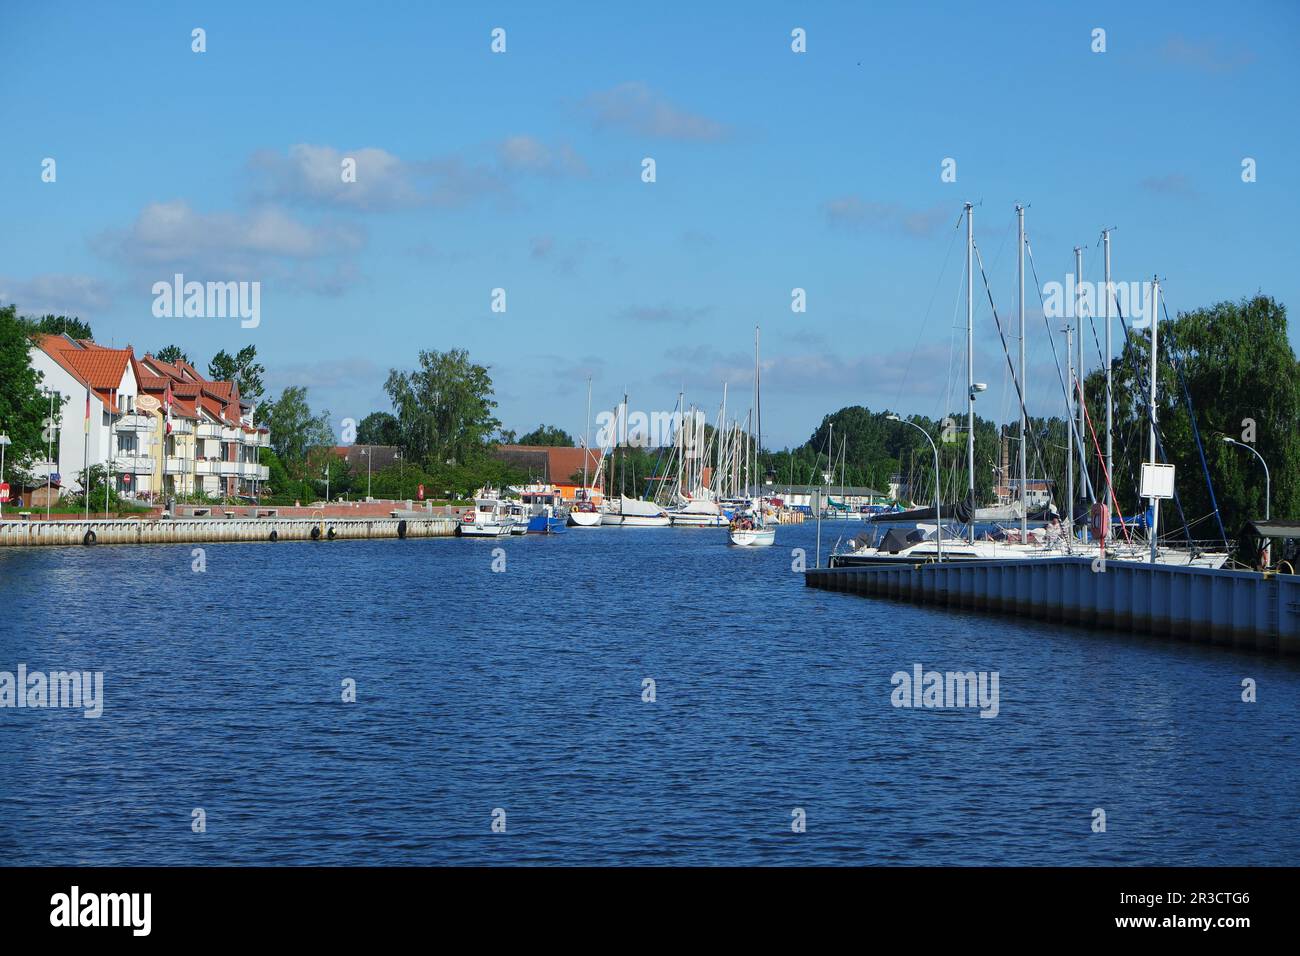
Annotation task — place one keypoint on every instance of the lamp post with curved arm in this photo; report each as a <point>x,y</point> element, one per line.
<point>938,516</point>
<point>1233,441</point>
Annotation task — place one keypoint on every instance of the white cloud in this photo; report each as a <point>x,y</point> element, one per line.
<point>266,243</point>
<point>636,108</point>
<point>80,296</point>
<point>855,213</point>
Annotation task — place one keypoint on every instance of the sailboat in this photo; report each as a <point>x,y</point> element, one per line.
<point>753,528</point>
<point>584,513</point>
<point>933,542</point>
<point>625,512</point>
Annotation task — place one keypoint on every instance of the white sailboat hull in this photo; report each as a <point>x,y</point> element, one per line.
<point>683,519</point>
<point>586,519</point>
<point>752,537</point>
<point>645,521</point>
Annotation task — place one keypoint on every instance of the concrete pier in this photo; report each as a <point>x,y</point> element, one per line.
<point>177,530</point>
<point>1242,609</point>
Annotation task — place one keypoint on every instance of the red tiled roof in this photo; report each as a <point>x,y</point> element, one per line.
<point>561,463</point>
<point>99,368</point>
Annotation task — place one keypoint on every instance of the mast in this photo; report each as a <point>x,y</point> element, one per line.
<point>586,443</point>
<point>681,443</point>
<point>1024,388</point>
<point>1154,502</point>
<point>970,364</point>
<point>1110,397</point>
<point>721,436</point>
<point>758,414</point>
<point>1069,436</point>
<point>1079,310</point>
<point>830,452</point>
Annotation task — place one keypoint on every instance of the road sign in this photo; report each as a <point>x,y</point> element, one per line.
<point>4,491</point>
<point>126,478</point>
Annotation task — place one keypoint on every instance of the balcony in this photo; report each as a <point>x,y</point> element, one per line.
<point>232,434</point>
<point>228,469</point>
<point>182,426</point>
<point>134,422</point>
<point>178,466</point>
<point>203,467</point>
<point>209,430</point>
<point>133,464</point>
<point>254,471</point>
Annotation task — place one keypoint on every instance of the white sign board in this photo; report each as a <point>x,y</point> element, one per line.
<point>1157,481</point>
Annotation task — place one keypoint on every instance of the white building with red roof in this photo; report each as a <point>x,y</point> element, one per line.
<point>159,429</point>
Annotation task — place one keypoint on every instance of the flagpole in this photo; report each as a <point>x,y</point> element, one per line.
<point>108,459</point>
<point>85,456</point>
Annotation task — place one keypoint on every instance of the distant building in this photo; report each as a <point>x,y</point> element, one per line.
<point>1038,492</point>
<point>854,496</point>
<point>157,429</point>
<point>551,465</point>
<point>374,457</point>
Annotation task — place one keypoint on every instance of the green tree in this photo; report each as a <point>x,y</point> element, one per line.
<point>22,409</point>
<point>444,408</point>
<point>61,325</point>
<point>243,369</point>
<point>378,428</point>
<point>1244,383</point>
<point>548,435</point>
<point>295,429</point>
<point>172,354</point>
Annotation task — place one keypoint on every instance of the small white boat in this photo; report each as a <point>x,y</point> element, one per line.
<point>634,513</point>
<point>489,519</point>
<point>757,537</point>
<point>584,514</point>
<point>755,525</point>
<point>698,513</point>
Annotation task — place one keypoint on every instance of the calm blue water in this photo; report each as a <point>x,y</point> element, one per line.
<point>522,690</point>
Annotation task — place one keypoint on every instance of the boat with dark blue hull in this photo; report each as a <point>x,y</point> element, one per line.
<point>546,512</point>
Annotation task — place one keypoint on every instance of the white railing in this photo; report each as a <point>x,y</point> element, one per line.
<point>251,469</point>
<point>209,430</point>
<point>134,422</point>
<point>178,466</point>
<point>226,468</point>
<point>231,434</point>
<point>133,464</point>
<point>202,467</point>
<point>182,426</point>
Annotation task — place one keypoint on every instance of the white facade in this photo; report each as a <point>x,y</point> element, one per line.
<point>122,439</point>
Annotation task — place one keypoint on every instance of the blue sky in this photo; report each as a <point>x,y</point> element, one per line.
<point>522,171</point>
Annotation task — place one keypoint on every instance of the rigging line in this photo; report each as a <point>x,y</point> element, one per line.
<point>1071,422</point>
<point>1007,352</point>
<point>1087,417</point>
<point>1144,385</point>
<point>926,318</point>
<point>1196,432</point>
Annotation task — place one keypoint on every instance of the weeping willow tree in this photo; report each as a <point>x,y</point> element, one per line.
<point>1235,363</point>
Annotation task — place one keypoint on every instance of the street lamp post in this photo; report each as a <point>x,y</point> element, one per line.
<point>49,452</point>
<point>366,453</point>
<point>1233,441</point>
<point>938,516</point>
